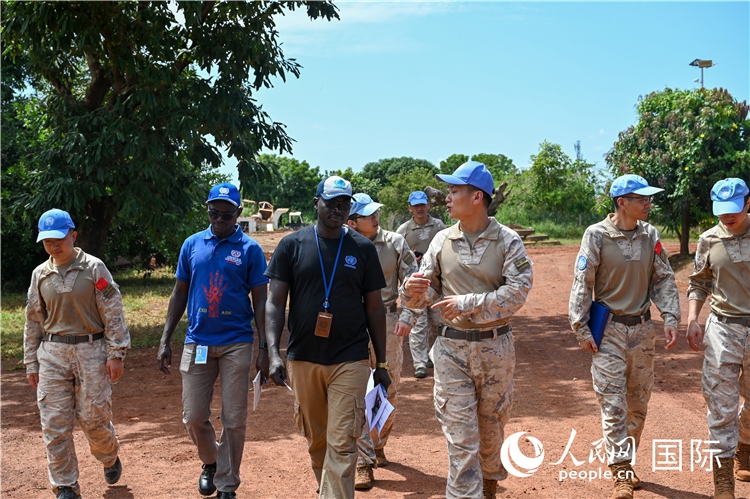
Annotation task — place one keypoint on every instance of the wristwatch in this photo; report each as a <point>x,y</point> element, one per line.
<point>263,346</point>
<point>382,365</point>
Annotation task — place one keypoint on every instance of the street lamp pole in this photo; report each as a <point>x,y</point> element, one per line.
<point>703,64</point>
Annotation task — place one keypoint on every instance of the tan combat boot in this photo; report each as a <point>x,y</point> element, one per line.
<point>380,458</point>
<point>364,478</point>
<point>489,488</point>
<point>742,463</point>
<point>723,478</point>
<point>622,475</point>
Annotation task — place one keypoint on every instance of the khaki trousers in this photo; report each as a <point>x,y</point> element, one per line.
<point>473,398</point>
<point>395,355</point>
<point>329,409</point>
<point>726,378</point>
<point>623,375</point>
<point>73,385</point>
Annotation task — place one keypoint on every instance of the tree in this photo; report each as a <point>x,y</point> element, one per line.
<point>293,186</point>
<point>499,165</point>
<point>685,141</point>
<point>395,196</point>
<point>558,183</point>
<point>139,97</point>
<point>381,172</point>
<point>449,164</point>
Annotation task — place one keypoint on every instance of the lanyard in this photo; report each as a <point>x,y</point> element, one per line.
<point>328,285</point>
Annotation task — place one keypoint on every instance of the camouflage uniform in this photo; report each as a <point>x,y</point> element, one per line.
<point>424,332</point>
<point>722,268</point>
<point>73,381</point>
<point>474,379</point>
<point>625,274</point>
<point>398,263</point>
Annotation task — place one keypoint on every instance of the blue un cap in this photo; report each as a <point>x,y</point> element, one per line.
<point>417,197</point>
<point>224,192</point>
<point>471,173</point>
<point>363,205</point>
<point>728,196</point>
<point>632,184</point>
<point>54,224</point>
<point>333,187</point>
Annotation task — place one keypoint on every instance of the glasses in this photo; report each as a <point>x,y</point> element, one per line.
<point>223,215</point>
<point>641,199</point>
<point>337,205</point>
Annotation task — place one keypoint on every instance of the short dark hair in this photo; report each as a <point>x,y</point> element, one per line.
<point>486,198</point>
<point>614,200</point>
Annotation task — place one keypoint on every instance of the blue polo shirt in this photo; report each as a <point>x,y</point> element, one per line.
<point>221,275</point>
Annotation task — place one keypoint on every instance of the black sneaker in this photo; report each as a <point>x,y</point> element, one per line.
<point>226,495</point>
<point>206,481</point>
<point>113,473</point>
<point>66,493</point>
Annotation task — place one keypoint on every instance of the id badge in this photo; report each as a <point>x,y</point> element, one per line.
<point>323,326</point>
<point>201,354</point>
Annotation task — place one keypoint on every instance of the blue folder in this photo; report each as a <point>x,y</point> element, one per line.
<point>598,316</point>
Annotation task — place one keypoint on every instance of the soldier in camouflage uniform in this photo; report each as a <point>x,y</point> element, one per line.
<point>418,232</point>
<point>397,262</point>
<point>75,340</point>
<point>722,268</point>
<point>481,270</point>
<point>623,266</point>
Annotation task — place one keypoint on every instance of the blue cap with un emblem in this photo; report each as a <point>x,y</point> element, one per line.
<point>417,197</point>
<point>632,184</point>
<point>333,187</point>
<point>728,196</point>
<point>54,224</point>
<point>363,205</point>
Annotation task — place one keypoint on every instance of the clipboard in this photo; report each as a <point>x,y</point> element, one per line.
<point>598,317</point>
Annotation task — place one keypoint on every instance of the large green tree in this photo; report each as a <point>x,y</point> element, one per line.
<point>138,97</point>
<point>558,183</point>
<point>293,186</point>
<point>382,171</point>
<point>395,196</point>
<point>683,142</point>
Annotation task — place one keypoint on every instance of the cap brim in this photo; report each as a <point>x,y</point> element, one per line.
<point>228,200</point>
<point>370,209</point>
<point>336,195</point>
<point>417,202</point>
<point>648,191</point>
<point>450,179</point>
<point>729,207</point>
<point>52,234</point>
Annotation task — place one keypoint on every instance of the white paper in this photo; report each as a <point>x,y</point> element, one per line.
<point>377,407</point>
<point>257,388</point>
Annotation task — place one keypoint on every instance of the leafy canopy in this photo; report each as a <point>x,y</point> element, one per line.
<point>685,141</point>
<point>139,98</point>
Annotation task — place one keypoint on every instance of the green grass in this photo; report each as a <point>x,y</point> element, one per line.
<point>145,301</point>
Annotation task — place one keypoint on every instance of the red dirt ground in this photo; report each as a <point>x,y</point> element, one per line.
<point>553,396</point>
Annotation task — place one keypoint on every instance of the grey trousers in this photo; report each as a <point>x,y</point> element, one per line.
<point>232,363</point>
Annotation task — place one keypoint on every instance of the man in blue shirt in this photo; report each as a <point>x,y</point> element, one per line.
<point>217,270</point>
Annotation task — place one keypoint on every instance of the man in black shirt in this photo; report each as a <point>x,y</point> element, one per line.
<point>333,278</point>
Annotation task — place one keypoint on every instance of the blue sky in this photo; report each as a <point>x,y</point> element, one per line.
<point>430,79</point>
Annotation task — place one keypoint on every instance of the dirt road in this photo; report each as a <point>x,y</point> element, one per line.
<point>553,398</point>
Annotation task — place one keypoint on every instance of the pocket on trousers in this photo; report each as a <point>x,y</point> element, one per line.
<point>187,357</point>
<point>299,419</point>
<point>359,417</point>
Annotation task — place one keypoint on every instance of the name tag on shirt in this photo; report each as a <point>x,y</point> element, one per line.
<point>201,354</point>
<point>323,326</point>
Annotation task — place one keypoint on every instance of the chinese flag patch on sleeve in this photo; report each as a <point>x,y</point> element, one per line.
<point>106,288</point>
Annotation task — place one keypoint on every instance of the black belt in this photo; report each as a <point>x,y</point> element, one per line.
<point>745,321</point>
<point>392,308</point>
<point>474,335</point>
<point>73,340</point>
<point>632,321</point>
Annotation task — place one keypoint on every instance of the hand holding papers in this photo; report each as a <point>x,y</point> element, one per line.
<point>377,407</point>
<point>258,388</point>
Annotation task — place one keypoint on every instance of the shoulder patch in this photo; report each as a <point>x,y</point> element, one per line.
<point>106,288</point>
<point>582,262</point>
<point>409,258</point>
<point>659,250</point>
<point>522,264</point>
